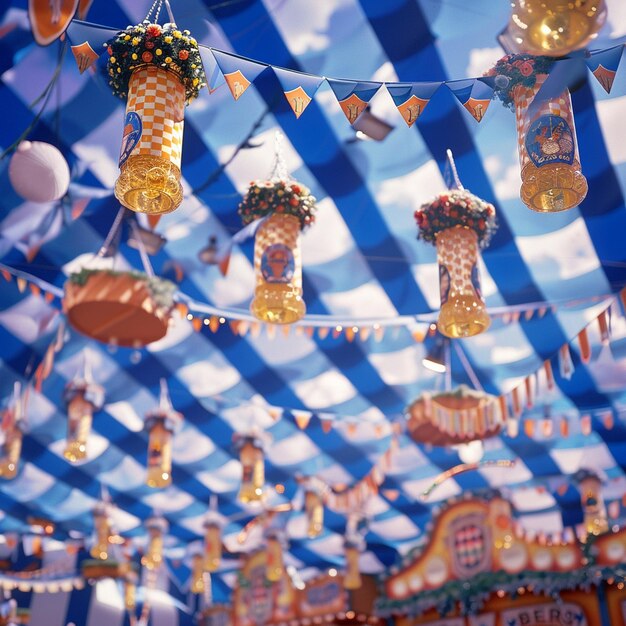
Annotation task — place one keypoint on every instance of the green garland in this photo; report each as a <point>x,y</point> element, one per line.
<point>470,595</point>
<point>456,207</point>
<point>277,196</point>
<point>162,290</point>
<point>165,47</point>
<point>515,70</point>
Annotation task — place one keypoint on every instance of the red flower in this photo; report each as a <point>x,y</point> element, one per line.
<point>526,68</point>
<point>295,188</point>
<point>183,55</point>
<point>280,208</point>
<point>146,57</point>
<point>294,202</point>
<point>154,30</point>
<point>149,44</point>
<point>110,50</point>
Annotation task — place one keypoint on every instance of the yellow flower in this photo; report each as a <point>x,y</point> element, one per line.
<point>177,34</point>
<point>127,38</point>
<point>133,56</point>
<point>168,39</point>
<point>112,59</point>
<point>119,70</point>
<point>192,41</point>
<point>195,81</point>
<point>168,59</point>
<point>158,52</point>
<point>136,41</point>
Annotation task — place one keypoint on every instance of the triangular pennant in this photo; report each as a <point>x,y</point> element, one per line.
<point>353,97</point>
<point>411,98</point>
<point>85,56</point>
<point>88,42</point>
<point>48,20</point>
<point>604,64</point>
<point>239,72</point>
<point>585,348</point>
<point>302,418</point>
<point>474,94</point>
<point>298,88</point>
<point>212,71</point>
<point>566,366</point>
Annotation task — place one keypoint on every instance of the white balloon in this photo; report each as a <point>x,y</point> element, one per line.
<point>38,172</point>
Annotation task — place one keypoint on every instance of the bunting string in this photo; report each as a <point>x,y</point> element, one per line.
<point>353,96</point>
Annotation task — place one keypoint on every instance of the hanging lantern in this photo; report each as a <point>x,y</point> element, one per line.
<point>286,208</point>
<point>153,557</point>
<point>252,461</point>
<point>274,548</point>
<point>102,528</point>
<point>459,224</point>
<point>594,509</point>
<point>82,398</point>
<point>38,172</point>
<point>552,178</point>
<point>453,418</point>
<point>553,27</point>
<point>130,591</point>
<point>13,430</point>
<point>157,69</point>
<point>161,424</point>
<point>212,543</point>
<point>353,545</point>
<point>314,509</point>
<point>352,550</point>
<point>197,574</point>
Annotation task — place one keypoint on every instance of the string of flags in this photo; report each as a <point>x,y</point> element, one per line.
<point>512,404</point>
<point>241,322</point>
<point>238,73</point>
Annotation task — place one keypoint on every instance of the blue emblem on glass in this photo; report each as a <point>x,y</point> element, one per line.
<point>131,137</point>
<point>277,263</point>
<point>550,140</point>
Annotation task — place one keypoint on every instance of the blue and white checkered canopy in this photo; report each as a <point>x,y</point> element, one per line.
<point>546,278</point>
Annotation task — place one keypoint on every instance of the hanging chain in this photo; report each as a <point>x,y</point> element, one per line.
<point>156,9</point>
<point>279,171</point>
<point>450,174</point>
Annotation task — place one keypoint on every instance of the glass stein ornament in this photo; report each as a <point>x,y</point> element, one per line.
<point>314,510</point>
<point>161,424</point>
<point>274,550</point>
<point>212,543</point>
<point>197,574</point>
<point>278,271</point>
<point>282,208</point>
<point>458,223</point>
<point>553,27</point>
<point>149,180</point>
<point>594,509</point>
<point>352,553</point>
<point>463,312</point>
<point>552,178</point>
<point>252,460</point>
<point>102,531</point>
<point>157,527</point>
<point>13,429</point>
<point>82,398</point>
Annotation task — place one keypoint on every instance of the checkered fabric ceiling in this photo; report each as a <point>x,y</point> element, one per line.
<point>362,262</point>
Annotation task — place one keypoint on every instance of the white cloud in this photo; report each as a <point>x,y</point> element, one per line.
<point>481,59</point>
